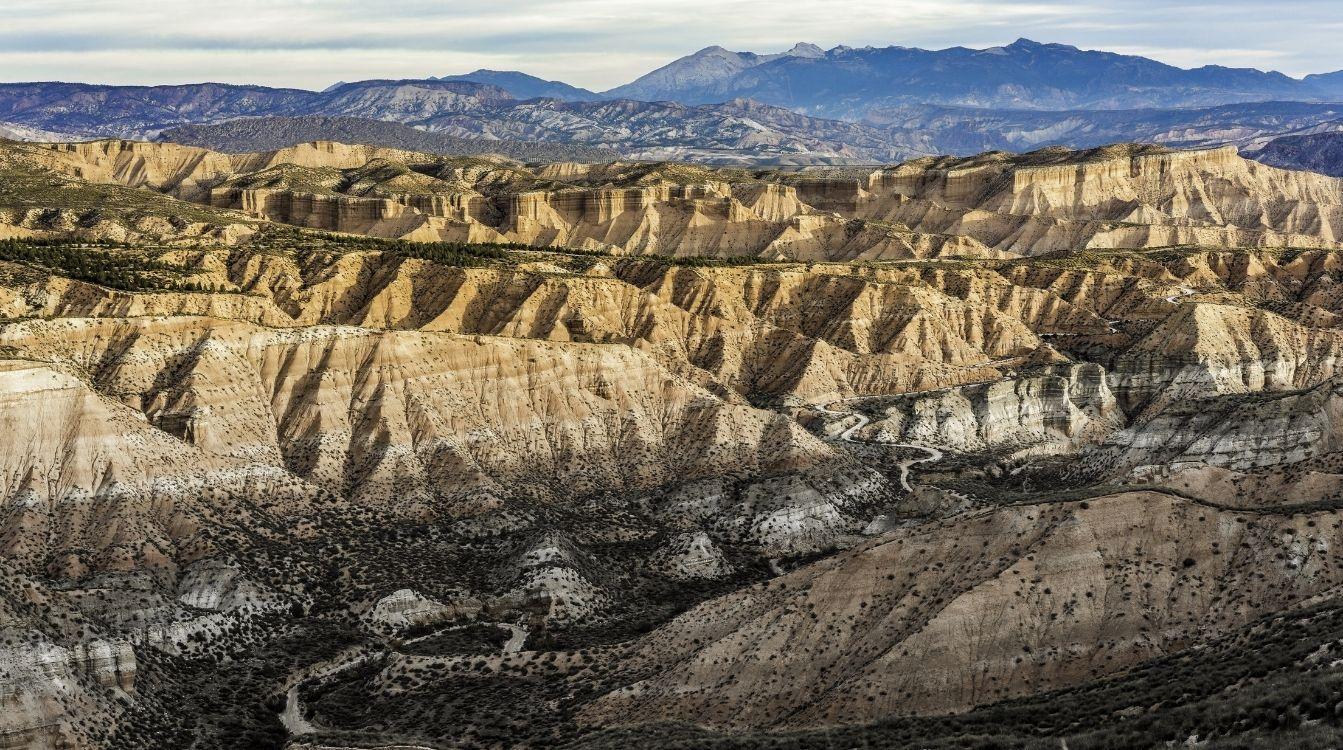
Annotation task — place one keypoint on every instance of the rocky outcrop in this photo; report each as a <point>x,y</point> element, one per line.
<point>690,556</point>
<point>1057,408</point>
<point>52,695</point>
<point>183,171</point>
<point>557,595</point>
<point>1206,349</point>
<point>1232,433</point>
<point>406,608</point>
<point>216,585</point>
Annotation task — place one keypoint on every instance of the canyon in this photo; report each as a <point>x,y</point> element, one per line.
<point>339,445</point>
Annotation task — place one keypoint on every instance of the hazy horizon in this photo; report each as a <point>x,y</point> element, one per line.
<point>599,44</point>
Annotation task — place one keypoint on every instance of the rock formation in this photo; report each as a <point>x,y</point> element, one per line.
<point>733,449</point>
<point>691,556</point>
<point>993,205</point>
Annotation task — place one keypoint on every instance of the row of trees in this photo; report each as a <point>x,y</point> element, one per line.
<point>105,263</point>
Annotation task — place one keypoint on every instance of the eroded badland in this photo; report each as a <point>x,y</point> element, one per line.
<point>349,446</point>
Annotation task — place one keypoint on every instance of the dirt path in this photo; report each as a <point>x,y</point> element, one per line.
<point>519,636</point>
<point>516,638</point>
<point>297,724</point>
<point>848,436</point>
<point>292,716</point>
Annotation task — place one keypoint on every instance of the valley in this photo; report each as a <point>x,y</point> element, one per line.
<point>339,445</point>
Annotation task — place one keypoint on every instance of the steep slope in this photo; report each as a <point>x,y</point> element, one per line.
<point>947,615</point>
<point>772,330</point>
<point>992,205</point>
<point>411,422</point>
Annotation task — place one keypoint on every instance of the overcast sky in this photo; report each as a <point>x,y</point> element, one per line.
<point>602,43</point>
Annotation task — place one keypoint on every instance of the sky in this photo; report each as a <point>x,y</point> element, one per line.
<point>602,43</point>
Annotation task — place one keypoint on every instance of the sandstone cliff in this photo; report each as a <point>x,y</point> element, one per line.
<point>992,205</point>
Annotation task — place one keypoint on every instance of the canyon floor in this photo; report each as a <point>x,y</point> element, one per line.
<point>337,446</point>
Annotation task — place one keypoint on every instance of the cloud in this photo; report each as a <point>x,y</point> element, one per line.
<point>601,43</point>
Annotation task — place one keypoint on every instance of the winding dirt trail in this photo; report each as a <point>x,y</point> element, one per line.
<point>292,716</point>
<point>848,436</point>
<point>518,637</point>
<point>297,724</point>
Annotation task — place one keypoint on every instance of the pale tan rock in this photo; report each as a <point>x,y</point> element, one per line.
<point>992,205</point>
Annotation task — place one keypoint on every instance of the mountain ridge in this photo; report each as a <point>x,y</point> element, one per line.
<point>848,82</point>
<point>734,131</point>
<point>867,104</point>
<point>273,133</point>
<point>524,86</point>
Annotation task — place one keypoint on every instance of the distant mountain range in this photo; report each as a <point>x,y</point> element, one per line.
<point>143,111</point>
<point>1317,152</point>
<point>804,105</point>
<point>850,83</point>
<point>727,132</point>
<point>968,130</point>
<point>733,132</point>
<point>523,86</point>
<point>249,135</point>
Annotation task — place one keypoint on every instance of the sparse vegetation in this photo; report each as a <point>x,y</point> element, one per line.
<point>451,508</point>
<point>109,264</point>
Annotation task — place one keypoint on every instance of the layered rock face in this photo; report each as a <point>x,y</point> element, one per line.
<point>1269,449</point>
<point>414,422</point>
<point>1117,197</point>
<point>405,608</point>
<point>992,205</point>
<point>43,685</point>
<point>1055,409</point>
<point>777,330</point>
<point>1208,348</point>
